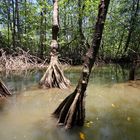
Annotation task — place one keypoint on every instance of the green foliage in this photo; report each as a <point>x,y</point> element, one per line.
<point>118,23</point>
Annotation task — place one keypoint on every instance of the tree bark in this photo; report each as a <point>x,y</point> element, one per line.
<point>8,24</point>
<point>83,44</point>
<point>72,110</point>
<point>14,25</point>
<point>132,25</point>
<point>42,30</point>
<point>18,39</point>
<point>41,48</point>
<point>7,3</point>
<point>120,44</point>
<point>54,76</point>
<point>132,72</point>
<point>3,90</point>
<point>133,55</point>
<point>25,16</point>
<point>80,17</point>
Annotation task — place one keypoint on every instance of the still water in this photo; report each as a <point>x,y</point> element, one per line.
<point>112,107</point>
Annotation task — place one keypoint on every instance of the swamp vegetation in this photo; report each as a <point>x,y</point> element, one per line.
<point>56,35</point>
<point>27,24</point>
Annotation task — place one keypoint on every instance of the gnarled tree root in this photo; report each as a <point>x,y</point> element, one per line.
<point>54,76</point>
<point>3,90</point>
<point>71,111</point>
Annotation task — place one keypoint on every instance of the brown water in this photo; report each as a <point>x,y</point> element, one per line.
<point>112,109</point>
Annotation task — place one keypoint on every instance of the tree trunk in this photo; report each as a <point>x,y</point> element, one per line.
<point>8,24</point>
<point>42,30</point>
<point>132,72</point>
<point>7,3</point>
<point>18,40</point>
<point>25,16</point>
<point>3,90</point>
<point>80,20</point>
<point>72,110</point>
<point>120,44</point>
<point>132,25</point>
<point>133,55</point>
<point>41,48</point>
<point>81,40</point>
<point>54,76</point>
<point>45,26</point>
<point>14,24</point>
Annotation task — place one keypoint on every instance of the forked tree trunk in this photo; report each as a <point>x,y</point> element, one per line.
<point>54,76</point>
<point>3,90</point>
<point>72,110</point>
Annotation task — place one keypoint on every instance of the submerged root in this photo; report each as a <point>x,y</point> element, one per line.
<point>20,60</point>
<point>54,76</point>
<point>3,90</point>
<point>71,111</point>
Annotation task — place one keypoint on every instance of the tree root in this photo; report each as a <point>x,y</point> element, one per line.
<point>20,60</point>
<point>3,90</point>
<point>71,111</point>
<point>54,76</point>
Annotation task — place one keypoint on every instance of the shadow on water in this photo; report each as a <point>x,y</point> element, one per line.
<point>112,107</point>
<point>18,82</point>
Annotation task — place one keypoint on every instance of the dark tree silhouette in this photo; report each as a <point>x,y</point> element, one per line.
<point>72,110</point>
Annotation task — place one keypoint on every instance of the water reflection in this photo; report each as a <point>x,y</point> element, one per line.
<point>112,108</point>
<point>22,81</point>
<point>109,74</point>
